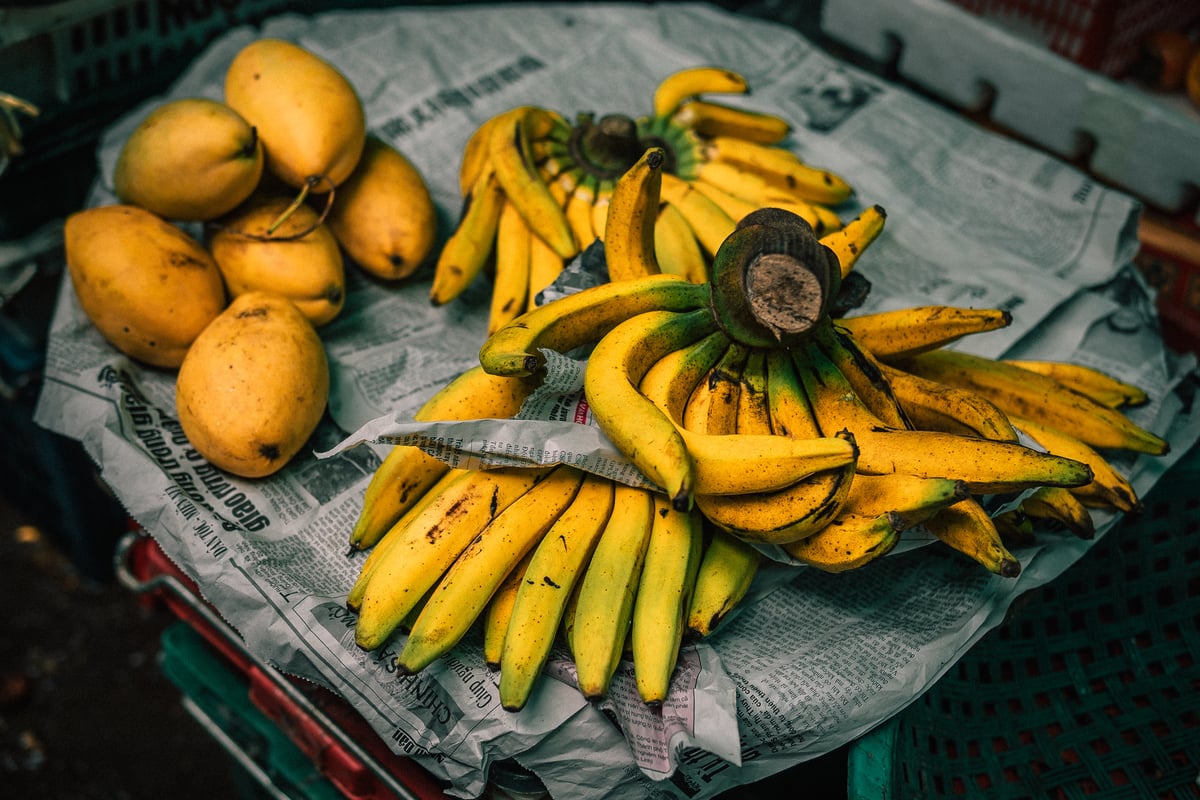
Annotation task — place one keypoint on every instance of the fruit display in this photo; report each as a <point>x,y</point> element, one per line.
<point>538,189</point>
<point>772,422</point>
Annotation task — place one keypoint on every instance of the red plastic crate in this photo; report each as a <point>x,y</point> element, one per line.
<point>1100,35</point>
<point>1169,257</point>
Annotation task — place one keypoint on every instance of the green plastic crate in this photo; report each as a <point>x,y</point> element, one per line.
<point>1090,689</point>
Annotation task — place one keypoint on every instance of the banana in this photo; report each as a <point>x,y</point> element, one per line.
<point>607,591</point>
<point>476,157</point>
<point>753,409</point>
<point>632,213</point>
<point>582,318</point>
<point>737,463</point>
<point>727,571</point>
<point>499,613</point>
<point>1020,392</point>
<point>468,248</point>
<point>579,211</point>
<point>663,595</point>
<point>407,471</point>
<point>545,266</point>
<point>473,578</point>
<point>986,466</point>
<point>429,542</point>
<point>780,167</point>
<point>678,87</point>
<point>1100,386</point>
<point>864,373</point>
<point>712,404</point>
<point>790,413</point>
<point>1059,506</point>
<point>785,515</point>
<point>749,187</point>
<point>709,223</point>
<point>904,332</point>
<point>934,406</point>
<point>675,247</point>
<point>709,119</point>
<point>850,241</point>
<point>848,542</point>
<point>508,150</point>
<point>1015,528</point>
<point>510,282</point>
<point>1108,487</point>
<point>601,207</point>
<point>910,498</point>
<point>967,528</point>
<point>636,426</point>
<point>555,567</point>
<point>736,207</point>
<point>671,380</point>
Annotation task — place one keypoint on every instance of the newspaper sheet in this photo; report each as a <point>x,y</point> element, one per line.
<point>972,220</point>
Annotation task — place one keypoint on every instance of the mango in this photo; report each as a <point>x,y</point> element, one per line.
<point>189,159</point>
<point>308,115</point>
<point>147,286</point>
<point>384,217</point>
<point>301,260</point>
<point>254,386</point>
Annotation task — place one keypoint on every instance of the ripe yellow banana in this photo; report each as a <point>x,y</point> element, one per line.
<point>788,406</point>
<point>685,84</point>
<point>967,528</point>
<point>911,498</point>
<point>510,282</point>
<point>934,406</point>
<point>664,593</point>
<point>499,613</point>
<point>781,167</point>
<point>555,567</point>
<point>468,248</point>
<point>579,211</point>
<point>850,241</point>
<point>753,409</point>
<point>508,150</point>
<point>900,333</point>
<point>1020,392</point>
<point>986,466</point>
<point>727,570</point>
<point>709,118</point>
<point>865,375</point>
<point>848,542</point>
<point>476,157</point>
<point>1108,487</point>
<point>469,582</point>
<point>712,404</point>
<point>671,380</point>
<point>429,542</point>
<point>1100,386</point>
<point>582,318</point>
<point>607,591</point>
<point>709,223</point>
<point>407,471</point>
<point>736,207</point>
<point>675,247</point>
<point>1058,506</point>
<point>739,463</point>
<point>632,213</point>
<point>545,266</point>
<point>636,426</point>
<point>600,208</point>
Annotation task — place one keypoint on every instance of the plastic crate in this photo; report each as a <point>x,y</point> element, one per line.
<point>1101,35</point>
<point>1169,257</point>
<point>1090,689</point>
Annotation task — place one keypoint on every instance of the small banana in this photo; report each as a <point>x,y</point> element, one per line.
<point>685,84</point>
<point>671,380</point>
<point>709,223</point>
<point>583,318</point>
<point>468,248</point>
<point>579,211</point>
<point>967,528</point>
<point>499,612</point>
<point>910,498</point>
<point>476,574</point>
<point>788,406</point>
<point>736,207</point>
<point>782,167</point>
<point>903,332</point>
<point>663,595</point>
<point>1108,487</point>
<point>1059,506</point>
<point>864,373</point>
<point>607,591</point>
<point>850,241</point>
<point>753,408</point>
<point>475,156</point>
<point>632,214</point>
<point>712,404</point>
<point>510,280</point>
<point>508,150</point>
<point>1100,386</point>
<point>727,571</point>
<point>1020,392</point>
<point>601,207</point>
<point>636,426</point>
<point>848,542</point>
<point>555,567</point>
<point>545,266</point>
<point>709,118</point>
<point>430,541</point>
<point>934,406</point>
<point>675,247</point>
<point>736,463</point>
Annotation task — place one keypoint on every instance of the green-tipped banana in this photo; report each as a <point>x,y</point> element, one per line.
<point>727,571</point>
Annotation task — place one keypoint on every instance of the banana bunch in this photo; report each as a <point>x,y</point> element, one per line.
<point>661,191</point>
<point>771,425</point>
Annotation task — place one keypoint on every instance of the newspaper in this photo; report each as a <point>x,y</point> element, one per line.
<point>812,660</point>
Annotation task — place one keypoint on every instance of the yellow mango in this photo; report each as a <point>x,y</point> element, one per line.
<point>254,386</point>
<point>384,216</point>
<point>300,260</point>
<point>189,159</point>
<point>308,115</point>
<point>147,286</point>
